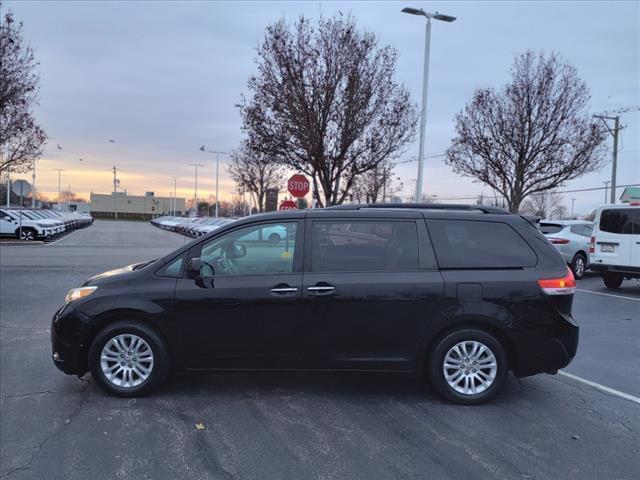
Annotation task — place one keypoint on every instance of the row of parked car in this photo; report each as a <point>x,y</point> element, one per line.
<point>39,224</point>
<point>190,226</point>
<point>609,246</point>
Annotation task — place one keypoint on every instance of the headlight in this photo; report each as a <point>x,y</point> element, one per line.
<point>78,293</point>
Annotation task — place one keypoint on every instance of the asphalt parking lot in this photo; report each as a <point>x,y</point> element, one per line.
<point>300,426</point>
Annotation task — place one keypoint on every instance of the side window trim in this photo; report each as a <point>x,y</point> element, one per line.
<point>196,250</point>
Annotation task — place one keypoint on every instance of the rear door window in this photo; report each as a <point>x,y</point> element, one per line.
<point>467,244</point>
<point>361,246</point>
<point>624,221</point>
<point>548,228</point>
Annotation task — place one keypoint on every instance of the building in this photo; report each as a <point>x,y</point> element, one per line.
<point>630,195</point>
<point>134,206</point>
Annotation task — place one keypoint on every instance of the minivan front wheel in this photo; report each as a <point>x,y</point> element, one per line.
<point>128,359</point>
<point>468,366</point>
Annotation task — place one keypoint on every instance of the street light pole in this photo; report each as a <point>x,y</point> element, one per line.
<point>195,190</point>
<point>425,85</point>
<point>573,201</point>
<point>60,170</point>
<point>203,149</point>
<point>174,202</point>
<point>606,189</point>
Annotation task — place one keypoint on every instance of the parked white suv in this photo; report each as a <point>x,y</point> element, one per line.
<point>31,230</point>
<point>615,244</point>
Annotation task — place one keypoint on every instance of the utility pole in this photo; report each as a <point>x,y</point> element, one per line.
<point>195,189</point>
<point>606,189</point>
<point>115,193</point>
<point>615,133</point>
<point>59,170</point>
<point>204,149</point>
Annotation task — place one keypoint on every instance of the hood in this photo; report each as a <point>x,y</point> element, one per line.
<point>117,273</point>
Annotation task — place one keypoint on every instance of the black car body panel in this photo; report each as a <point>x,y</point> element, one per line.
<point>383,320</point>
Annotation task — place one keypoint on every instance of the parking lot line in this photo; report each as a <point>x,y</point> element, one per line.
<point>63,238</point>
<point>608,295</point>
<point>600,387</point>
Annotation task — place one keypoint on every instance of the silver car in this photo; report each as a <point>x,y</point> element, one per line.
<point>571,238</point>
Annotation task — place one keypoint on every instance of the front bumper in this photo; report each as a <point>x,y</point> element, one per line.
<point>66,353</point>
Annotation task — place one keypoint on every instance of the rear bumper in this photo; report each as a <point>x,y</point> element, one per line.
<point>624,269</point>
<point>544,350</point>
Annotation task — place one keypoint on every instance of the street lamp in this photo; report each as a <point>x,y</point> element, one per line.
<point>204,149</point>
<point>425,81</point>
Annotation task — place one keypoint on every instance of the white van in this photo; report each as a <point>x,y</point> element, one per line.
<point>615,244</point>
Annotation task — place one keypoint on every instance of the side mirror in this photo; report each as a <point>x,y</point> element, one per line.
<point>193,267</point>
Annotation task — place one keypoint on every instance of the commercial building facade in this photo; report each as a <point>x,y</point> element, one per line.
<point>134,206</point>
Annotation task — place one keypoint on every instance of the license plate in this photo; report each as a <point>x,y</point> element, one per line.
<point>606,248</point>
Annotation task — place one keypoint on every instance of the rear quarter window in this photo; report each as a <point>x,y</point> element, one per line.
<point>479,244</point>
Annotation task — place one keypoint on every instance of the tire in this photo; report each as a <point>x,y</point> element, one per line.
<point>129,330</point>
<point>28,234</point>
<point>579,265</point>
<point>445,349</point>
<point>274,239</point>
<point>612,279</point>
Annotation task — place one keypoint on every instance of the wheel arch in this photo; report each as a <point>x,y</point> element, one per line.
<point>112,317</point>
<point>481,323</point>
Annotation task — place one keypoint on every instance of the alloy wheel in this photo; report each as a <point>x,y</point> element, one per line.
<point>579,267</point>
<point>470,367</point>
<point>126,360</point>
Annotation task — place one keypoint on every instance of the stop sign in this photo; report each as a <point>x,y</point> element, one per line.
<point>298,185</point>
<point>288,205</point>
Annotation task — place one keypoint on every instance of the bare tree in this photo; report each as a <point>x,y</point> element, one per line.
<point>375,185</point>
<point>532,135</point>
<point>21,139</point>
<point>254,171</point>
<point>545,205</point>
<point>325,103</point>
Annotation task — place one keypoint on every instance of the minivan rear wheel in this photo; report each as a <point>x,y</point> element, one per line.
<point>468,366</point>
<point>612,279</point>
<point>128,359</point>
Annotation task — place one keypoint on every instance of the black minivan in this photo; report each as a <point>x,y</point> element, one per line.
<point>456,294</point>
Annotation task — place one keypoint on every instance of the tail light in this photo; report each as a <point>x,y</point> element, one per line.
<point>559,286</point>
<point>558,241</point>
<point>592,245</point>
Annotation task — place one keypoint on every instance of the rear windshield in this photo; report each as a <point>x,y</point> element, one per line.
<point>625,221</point>
<point>478,244</point>
<point>547,228</point>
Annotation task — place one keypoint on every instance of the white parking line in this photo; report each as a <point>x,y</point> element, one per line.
<point>602,388</point>
<point>608,295</point>
<point>63,238</point>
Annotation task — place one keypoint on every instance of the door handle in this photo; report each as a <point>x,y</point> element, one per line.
<point>321,289</point>
<point>284,290</point>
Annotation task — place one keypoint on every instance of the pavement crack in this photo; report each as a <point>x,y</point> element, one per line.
<point>30,394</point>
<point>38,448</point>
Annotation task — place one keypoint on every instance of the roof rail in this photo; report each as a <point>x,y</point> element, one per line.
<point>423,206</point>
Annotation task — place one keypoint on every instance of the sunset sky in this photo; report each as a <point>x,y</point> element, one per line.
<point>163,78</point>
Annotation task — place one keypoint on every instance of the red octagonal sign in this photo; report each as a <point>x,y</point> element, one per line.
<point>288,205</point>
<point>298,185</point>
